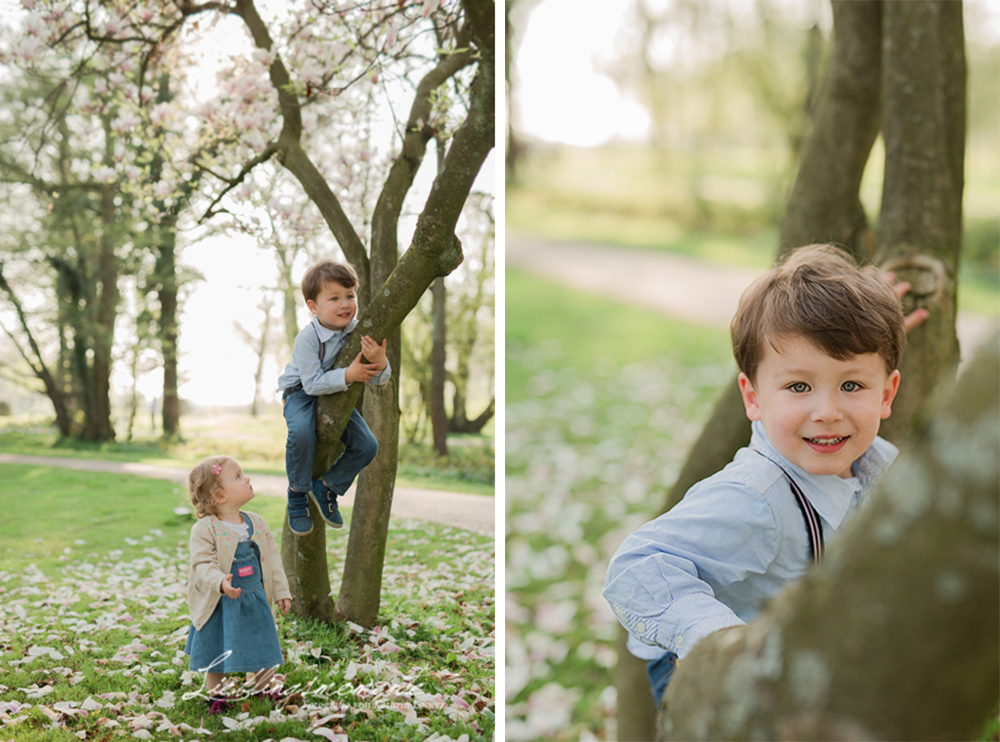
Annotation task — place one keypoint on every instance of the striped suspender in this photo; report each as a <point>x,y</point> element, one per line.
<point>808,512</point>
<point>322,349</point>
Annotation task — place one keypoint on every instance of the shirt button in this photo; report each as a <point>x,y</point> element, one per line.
<point>640,628</point>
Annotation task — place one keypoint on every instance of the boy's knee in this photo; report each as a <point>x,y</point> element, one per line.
<point>301,433</point>
<point>370,447</point>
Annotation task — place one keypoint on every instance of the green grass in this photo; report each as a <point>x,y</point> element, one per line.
<point>93,575</point>
<point>552,327</point>
<point>258,443</point>
<point>603,401</point>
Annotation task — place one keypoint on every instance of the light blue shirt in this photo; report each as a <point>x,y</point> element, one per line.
<point>735,540</point>
<point>318,379</point>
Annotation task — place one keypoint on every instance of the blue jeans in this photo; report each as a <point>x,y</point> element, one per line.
<point>659,672</point>
<point>360,446</point>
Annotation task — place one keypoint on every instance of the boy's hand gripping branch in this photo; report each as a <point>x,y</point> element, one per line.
<point>365,372</point>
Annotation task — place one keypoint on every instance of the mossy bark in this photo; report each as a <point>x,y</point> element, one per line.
<point>896,635</point>
<point>920,228</point>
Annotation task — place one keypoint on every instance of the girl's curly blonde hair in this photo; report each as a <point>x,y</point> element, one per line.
<point>204,481</point>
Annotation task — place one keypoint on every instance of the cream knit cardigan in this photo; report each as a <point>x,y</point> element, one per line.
<point>213,546</point>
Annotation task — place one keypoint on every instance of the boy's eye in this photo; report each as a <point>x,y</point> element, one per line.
<point>799,387</point>
<point>851,386</point>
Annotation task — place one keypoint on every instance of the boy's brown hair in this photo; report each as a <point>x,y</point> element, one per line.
<point>820,294</point>
<point>324,272</point>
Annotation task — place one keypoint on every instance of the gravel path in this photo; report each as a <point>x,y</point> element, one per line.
<point>470,512</point>
<point>675,285</point>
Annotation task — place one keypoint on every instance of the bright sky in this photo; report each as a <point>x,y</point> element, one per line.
<point>562,94</point>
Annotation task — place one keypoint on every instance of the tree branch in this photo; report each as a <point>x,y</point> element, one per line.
<point>294,158</point>
<point>895,636</point>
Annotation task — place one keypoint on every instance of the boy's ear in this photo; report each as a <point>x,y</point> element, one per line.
<point>312,306</point>
<point>749,397</point>
<point>889,393</point>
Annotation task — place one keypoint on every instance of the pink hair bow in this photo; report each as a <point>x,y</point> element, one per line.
<point>216,469</point>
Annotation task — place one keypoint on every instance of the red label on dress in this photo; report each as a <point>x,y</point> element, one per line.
<point>245,571</point>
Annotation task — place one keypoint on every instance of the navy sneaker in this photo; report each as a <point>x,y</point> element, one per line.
<point>326,501</point>
<point>299,519</point>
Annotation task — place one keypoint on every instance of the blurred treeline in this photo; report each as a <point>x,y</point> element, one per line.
<point>729,86</point>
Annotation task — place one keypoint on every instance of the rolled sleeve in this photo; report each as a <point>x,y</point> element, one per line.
<point>663,583</point>
<point>382,376</point>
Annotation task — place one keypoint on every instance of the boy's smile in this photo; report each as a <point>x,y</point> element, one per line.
<point>820,413</point>
<point>334,306</point>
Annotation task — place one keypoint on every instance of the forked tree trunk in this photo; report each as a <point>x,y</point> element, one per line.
<point>908,60</point>
<point>895,636</point>
<point>434,251</point>
<point>824,206</point>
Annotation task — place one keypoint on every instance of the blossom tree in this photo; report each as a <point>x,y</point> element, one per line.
<point>289,100</point>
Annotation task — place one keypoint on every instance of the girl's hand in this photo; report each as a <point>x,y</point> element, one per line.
<point>373,351</point>
<point>284,604</point>
<point>228,589</point>
<point>360,371</point>
<point>915,318</point>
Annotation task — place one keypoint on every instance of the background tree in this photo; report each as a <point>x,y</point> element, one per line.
<point>861,88</point>
<point>260,341</point>
<point>465,314</point>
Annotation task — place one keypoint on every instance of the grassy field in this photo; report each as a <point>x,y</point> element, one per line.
<point>93,571</point>
<point>603,402</point>
<point>258,443</point>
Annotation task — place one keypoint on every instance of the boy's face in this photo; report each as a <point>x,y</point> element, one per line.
<point>819,413</point>
<point>334,305</point>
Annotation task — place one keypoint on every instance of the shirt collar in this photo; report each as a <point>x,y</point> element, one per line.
<point>326,334</point>
<point>829,494</point>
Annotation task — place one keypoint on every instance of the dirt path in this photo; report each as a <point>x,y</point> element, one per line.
<point>470,512</point>
<point>681,287</point>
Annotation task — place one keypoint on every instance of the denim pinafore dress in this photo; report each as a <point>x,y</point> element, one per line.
<point>240,635</point>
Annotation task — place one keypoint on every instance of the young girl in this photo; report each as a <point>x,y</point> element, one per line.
<point>235,574</point>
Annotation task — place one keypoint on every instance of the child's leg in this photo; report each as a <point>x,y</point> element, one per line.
<point>659,672</point>
<point>214,684</point>
<point>300,416</point>
<point>262,680</point>
<point>360,449</point>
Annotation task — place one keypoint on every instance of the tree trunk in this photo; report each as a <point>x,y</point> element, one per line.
<point>439,417</point>
<point>166,277</point>
<point>896,635</point>
<point>920,229</point>
<point>53,390</point>
<point>434,251</point>
<point>97,423</point>
<point>823,206</point>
